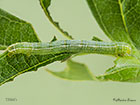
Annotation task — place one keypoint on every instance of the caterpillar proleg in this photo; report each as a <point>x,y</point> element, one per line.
<point>71,46</point>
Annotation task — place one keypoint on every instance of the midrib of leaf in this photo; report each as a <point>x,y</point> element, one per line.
<point>122,14</point>
<point>123,19</point>
<point>118,70</point>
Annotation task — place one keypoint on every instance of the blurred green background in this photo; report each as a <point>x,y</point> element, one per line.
<point>41,88</point>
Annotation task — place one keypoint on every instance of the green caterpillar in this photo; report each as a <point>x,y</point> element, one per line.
<point>71,46</point>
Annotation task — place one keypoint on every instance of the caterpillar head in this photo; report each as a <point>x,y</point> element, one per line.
<point>127,49</point>
<point>124,50</point>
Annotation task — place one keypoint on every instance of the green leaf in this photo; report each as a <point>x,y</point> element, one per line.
<point>45,5</point>
<point>126,69</point>
<point>54,39</point>
<point>12,30</point>
<point>96,39</point>
<point>119,19</point>
<point>74,71</point>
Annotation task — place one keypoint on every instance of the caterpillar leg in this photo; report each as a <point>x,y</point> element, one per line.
<point>10,54</point>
